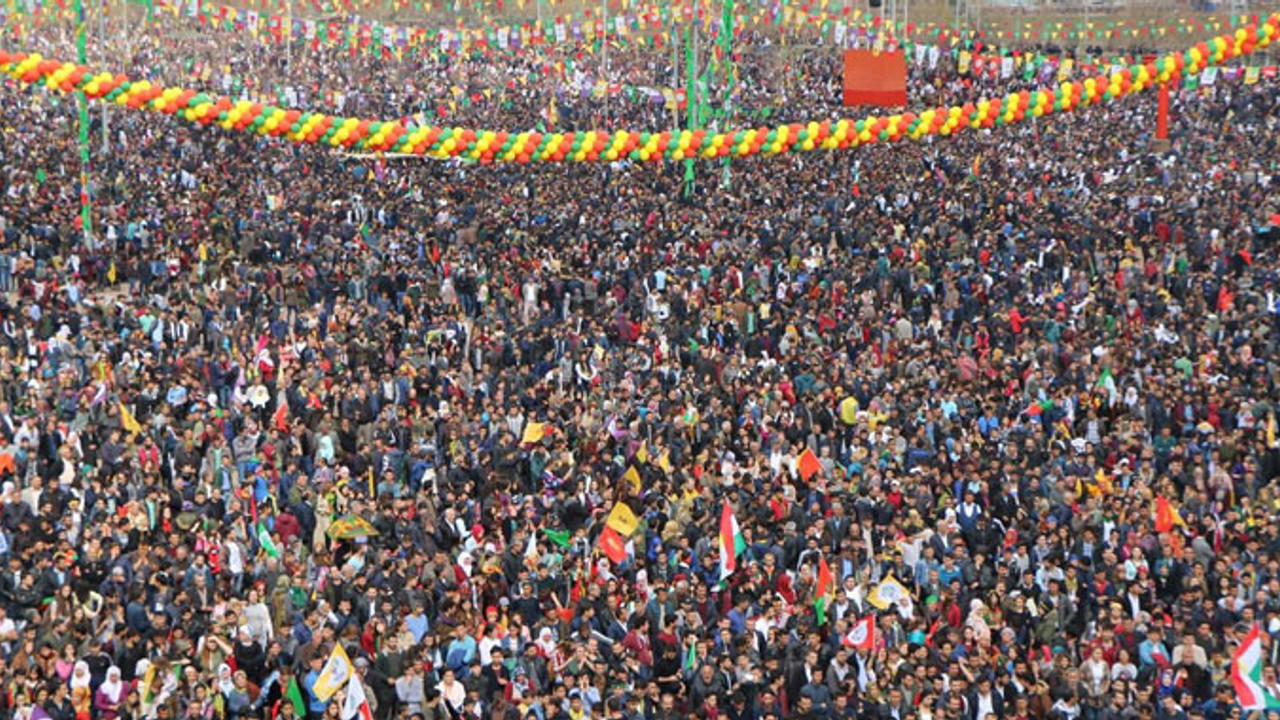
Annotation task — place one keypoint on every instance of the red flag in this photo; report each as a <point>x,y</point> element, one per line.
<point>862,636</point>
<point>1166,516</point>
<point>612,546</point>
<point>808,464</point>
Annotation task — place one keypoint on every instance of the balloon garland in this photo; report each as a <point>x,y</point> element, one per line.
<point>488,146</point>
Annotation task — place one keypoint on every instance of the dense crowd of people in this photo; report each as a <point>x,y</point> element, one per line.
<point>287,400</point>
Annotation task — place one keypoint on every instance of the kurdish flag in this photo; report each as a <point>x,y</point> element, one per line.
<point>1246,674</point>
<point>821,595</point>
<point>731,542</point>
<point>266,543</point>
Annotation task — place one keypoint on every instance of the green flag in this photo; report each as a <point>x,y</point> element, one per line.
<point>264,539</point>
<point>294,695</point>
<point>559,537</point>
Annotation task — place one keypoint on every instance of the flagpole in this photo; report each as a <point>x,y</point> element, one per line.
<point>82,104</point>
<point>102,38</point>
<point>604,38</point>
<point>726,42</point>
<point>691,92</point>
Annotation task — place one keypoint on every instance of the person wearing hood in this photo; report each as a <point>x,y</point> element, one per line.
<point>110,695</point>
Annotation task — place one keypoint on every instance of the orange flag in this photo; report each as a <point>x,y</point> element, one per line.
<point>808,464</point>
<point>1166,516</point>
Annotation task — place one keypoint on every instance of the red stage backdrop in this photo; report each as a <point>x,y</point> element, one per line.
<point>875,78</point>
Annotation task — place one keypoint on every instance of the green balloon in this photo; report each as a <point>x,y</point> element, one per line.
<point>374,127</point>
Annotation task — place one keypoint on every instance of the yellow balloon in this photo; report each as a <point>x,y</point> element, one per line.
<point>808,145</point>
<point>612,154</point>
<point>644,154</point>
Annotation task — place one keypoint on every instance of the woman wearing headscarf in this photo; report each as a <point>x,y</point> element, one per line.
<point>249,653</point>
<point>81,694</point>
<point>109,695</point>
<point>240,698</point>
<point>977,620</point>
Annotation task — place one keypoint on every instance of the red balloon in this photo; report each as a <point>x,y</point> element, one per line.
<point>523,158</point>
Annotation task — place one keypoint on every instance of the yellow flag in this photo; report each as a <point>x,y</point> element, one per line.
<point>111,272</point>
<point>642,454</point>
<point>632,478</point>
<point>623,521</point>
<point>127,420</point>
<point>533,432</point>
<point>887,593</point>
<point>664,462</point>
<point>334,675</point>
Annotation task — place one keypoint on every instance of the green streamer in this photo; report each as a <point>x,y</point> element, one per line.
<point>691,96</point>
<point>82,103</point>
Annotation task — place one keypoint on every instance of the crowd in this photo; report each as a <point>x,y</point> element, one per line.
<point>287,400</point>
<point>556,85</point>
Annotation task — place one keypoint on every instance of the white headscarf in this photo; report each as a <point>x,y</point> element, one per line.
<point>113,686</point>
<point>226,685</point>
<point>80,677</point>
<point>546,642</point>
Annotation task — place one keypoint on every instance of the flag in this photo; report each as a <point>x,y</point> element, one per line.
<point>691,657</point>
<point>612,546</point>
<point>281,417</point>
<point>887,593</point>
<point>823,591</point>
<point>731,541</point>
<point>1166,516</point>
<point>356,704</point>
<point>336,672</point>
<point>293,694</point>
<point>264,540</point>
<point>533,432</point>
<point>622,520</point>
<point>127,421</point>
<point>1246,674</point>
<point>808,464</point>
<point>531,550</point>
<point>862,636</point>
<point>559,537</point>
<point>632,478</point>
